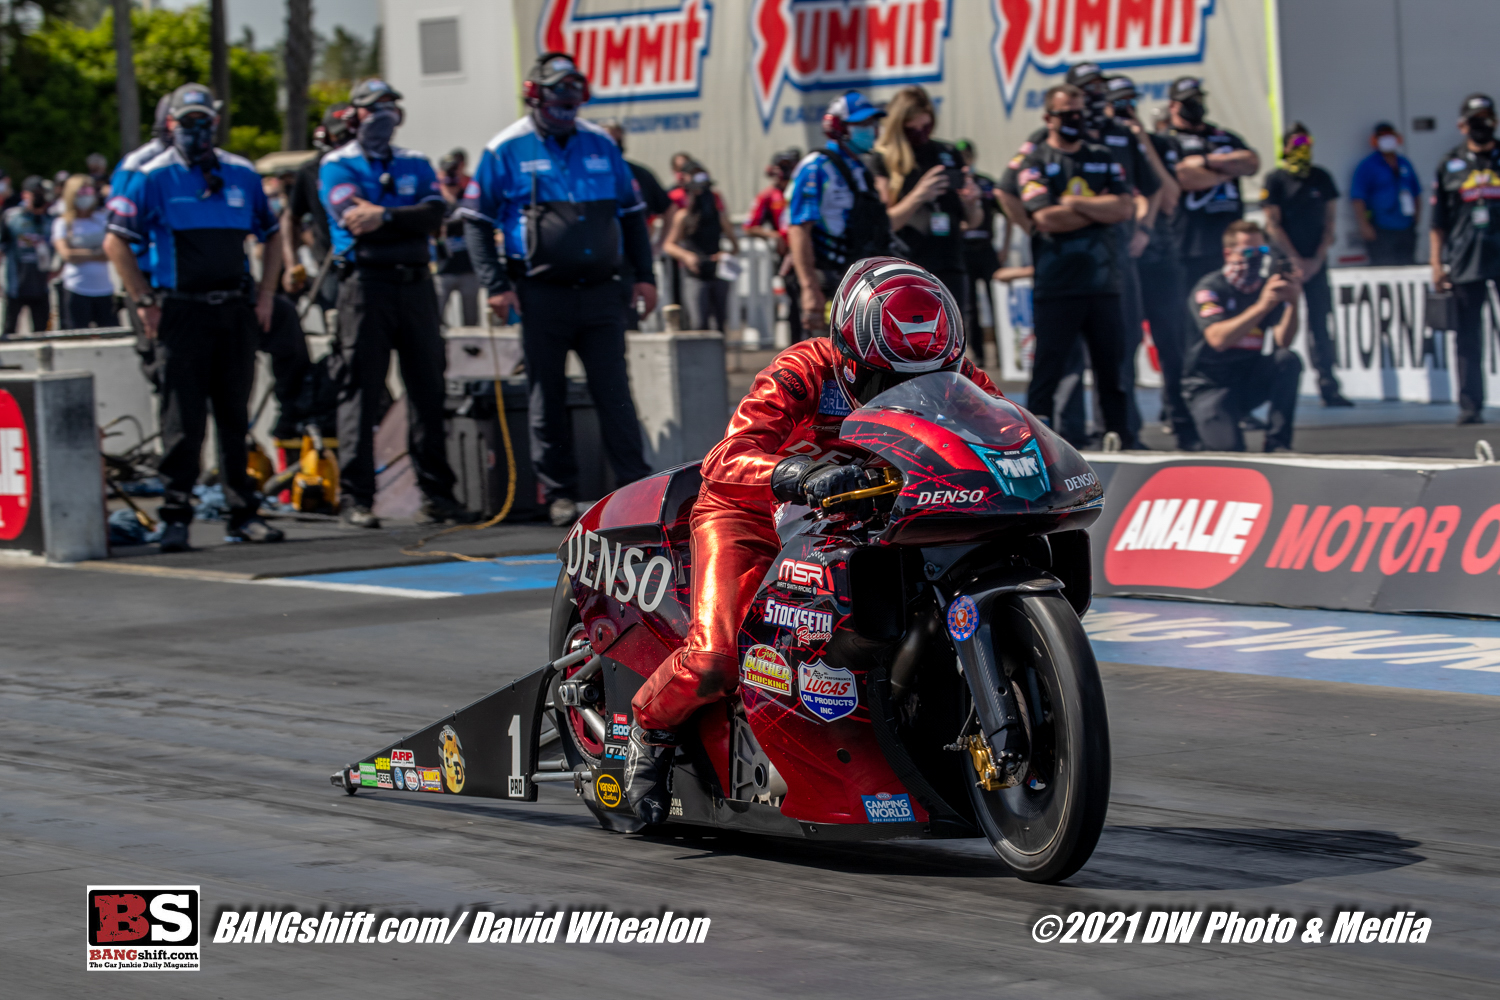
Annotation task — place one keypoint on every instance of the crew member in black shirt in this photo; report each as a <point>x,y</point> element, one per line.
<point>455,269</point>
<point>658,203</point>
<point>980,260</point>
<point>1466,240</point>
<point>1299,200</point>
<point>304,216</point>
<point>1073,191</point>
<point>927,191</point>
<point>1228,372</point>
<point>1211,161</point>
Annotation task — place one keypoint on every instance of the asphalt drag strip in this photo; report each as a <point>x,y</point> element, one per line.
<point>176,732</point>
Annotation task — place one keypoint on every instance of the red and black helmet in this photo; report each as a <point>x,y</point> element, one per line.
<point>892,320</point>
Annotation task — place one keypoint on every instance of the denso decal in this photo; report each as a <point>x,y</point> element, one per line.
<point>15,468</point>
<point>883,807</point>
<point>626,576</point>
<point>807,577</point>
<point>827,692</point>
<point>631,55</point>
<point>949,497</point>
<point>835,44</point>
<point>1051,35</point>
<point>765,668</point>
<point>809,626</point>
<point>1190,526</point>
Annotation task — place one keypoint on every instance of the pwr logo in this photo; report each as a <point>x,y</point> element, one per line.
<point>1190,526</point>
<point>15,468</point>
<point>142,928</point>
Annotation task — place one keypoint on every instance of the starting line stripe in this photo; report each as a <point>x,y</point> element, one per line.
<point>432,580</point>
<point>356,588</point>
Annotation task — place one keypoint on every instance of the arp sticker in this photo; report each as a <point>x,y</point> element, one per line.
<point>883,807</point>
<point>405,758</point>
<point>963,619</point>
<point>765,668</point>
<point>827,692</point>
<point>607,791</point>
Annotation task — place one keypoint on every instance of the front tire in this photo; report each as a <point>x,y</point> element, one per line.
<point>1046,827</point>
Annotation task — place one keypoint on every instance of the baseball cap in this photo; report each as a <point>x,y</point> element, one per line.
<point>1120,88</point>
<point>1382,127</point>
<point>34,184</point>
<point>852,107</point>
<point>555,67</point>
<point>1477,104</point>
<point>191,97</point>
<point>1184,87</point>
<point>1084,73</point>
<point>369,91</point>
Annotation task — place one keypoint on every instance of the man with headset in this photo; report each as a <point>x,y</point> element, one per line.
<point>566,203</point>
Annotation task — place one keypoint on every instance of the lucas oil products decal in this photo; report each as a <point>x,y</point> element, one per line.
<point>827,692</point>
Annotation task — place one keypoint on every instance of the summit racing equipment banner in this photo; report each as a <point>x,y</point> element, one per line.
<point>1360,535</point>
<point>746,78</point>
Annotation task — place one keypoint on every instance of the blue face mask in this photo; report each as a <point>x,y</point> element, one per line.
<point>862,138</point>
<point>194,137</point>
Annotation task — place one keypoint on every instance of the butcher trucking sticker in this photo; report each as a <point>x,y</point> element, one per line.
<point>963,618</point>
<point>827,692</point>
<point>766,669</point>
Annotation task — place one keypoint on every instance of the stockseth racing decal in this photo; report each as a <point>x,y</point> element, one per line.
<point>809,626</point>
<point>883,807</point>
<point>827,692</point>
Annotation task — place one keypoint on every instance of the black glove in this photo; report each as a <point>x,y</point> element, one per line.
<point>801,479</point>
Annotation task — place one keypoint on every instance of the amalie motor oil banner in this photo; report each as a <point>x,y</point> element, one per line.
<point>1346,534</point>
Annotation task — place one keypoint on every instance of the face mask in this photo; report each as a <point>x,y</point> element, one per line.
<point>85,202</point>
<point>1069,124</point>
<point>4,189</point>
<point>194,138</point>
<point>1192,110</point>
<point>1298,159</point>
<point>275,205</point>
<point>1124,109</point>
<point>1387,144</point>
<point>375,132</point>
<point>861,138</point>
<point>1482,130</point>
<point>918,136</point>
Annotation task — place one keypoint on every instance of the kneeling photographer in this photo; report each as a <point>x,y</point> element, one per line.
<point>1228,373</point>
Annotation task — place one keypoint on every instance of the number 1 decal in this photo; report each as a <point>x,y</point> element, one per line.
<point>517,784</point>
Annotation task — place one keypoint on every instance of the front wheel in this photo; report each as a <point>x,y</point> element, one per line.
<point>1045,827</point>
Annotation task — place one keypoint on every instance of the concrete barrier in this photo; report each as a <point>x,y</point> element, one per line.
<point>681,395</point>
<point>51,479</point>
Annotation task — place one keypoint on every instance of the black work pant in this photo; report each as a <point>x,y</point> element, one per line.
<point>207,357</point>
<point>1220,395</point>
<point>1131,313</point>
<point>82,311</point>
<point>980,262</point>
<point>1059,325</point>
<point>376,316</point>
<point>1320,349</point>
<point>38,307</point>
<point>1162,296</point>
<point>287,346</point>
<point>554,320</point>
<point>1469,346</point>
<point>1393,247</point>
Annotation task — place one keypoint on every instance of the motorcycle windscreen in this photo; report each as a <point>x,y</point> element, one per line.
<point>964,454</point>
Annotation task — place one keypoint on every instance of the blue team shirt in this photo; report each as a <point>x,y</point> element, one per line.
<point>1379,187</point>
<point>347,172</point>
<point>589,168</point>
<point>127,170</point>
<point>819,194</point>
<point>198,238</point>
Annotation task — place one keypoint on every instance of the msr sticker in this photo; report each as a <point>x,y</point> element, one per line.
<point>883,807</point>
<point>963,619</point>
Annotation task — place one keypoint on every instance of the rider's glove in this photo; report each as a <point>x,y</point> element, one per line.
<point>786,478</point>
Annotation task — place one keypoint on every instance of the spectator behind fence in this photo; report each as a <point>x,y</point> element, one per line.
<point>927,190</point>
<point>24,231</point>
<point>1073,192</point>
<point>1386,196</point>
<point>980,260</point>
<point>304,221</point>
<point>834,215</point>
<point>696,242</point>
<point>9,196</point>
<point>1300,202</point>
<point>1228,372</point>
<point>455,271</point>
<point>658,206</point>
<point>1211,161</point>
<point>565,281</point>
<point>768,220</point>
<point>1465,241</point>
<point>88,294</point>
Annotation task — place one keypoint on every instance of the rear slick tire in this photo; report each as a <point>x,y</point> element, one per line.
<point>1047,833</point>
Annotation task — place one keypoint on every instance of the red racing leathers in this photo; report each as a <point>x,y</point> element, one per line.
<point>794,407</point>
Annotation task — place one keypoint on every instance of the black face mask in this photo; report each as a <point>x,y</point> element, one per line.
<point>1482,130</point>
<point>1192,111</point>
<point>1124,109</point>
<point>194,138</point>
<point>1069,124</point>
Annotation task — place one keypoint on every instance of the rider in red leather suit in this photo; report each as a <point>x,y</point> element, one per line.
<point>783,444</point>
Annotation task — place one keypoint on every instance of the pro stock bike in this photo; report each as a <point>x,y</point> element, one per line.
<point>915,668</point>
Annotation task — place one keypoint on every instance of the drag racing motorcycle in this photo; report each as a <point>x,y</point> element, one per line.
<point>915,668</point>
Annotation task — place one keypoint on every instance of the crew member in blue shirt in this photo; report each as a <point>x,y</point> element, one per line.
<point>196,204</point>
<point>834,215</point>
<point>1387,199</point>
<point>383,205</point>
<point>565,202</point>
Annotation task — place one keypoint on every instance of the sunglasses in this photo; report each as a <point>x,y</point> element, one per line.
<point>1249,252</point>
<point>1298,140</point>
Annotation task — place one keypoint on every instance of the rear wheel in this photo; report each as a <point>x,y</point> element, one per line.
<point>582,737</point>
<point>1046,827</point>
